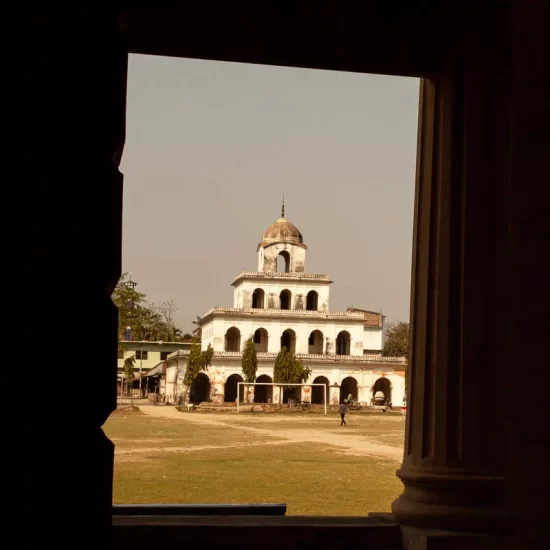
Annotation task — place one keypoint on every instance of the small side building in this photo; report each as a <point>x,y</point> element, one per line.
<point>148,355</point>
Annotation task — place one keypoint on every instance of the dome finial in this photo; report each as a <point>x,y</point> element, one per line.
<point>283,207</point>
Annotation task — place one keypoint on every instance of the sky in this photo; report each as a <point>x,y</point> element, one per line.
<point>212,147</point>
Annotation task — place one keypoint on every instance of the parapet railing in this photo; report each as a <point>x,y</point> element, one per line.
<point>286,312</point>
<point>291,275</point>
<point>306,357</point>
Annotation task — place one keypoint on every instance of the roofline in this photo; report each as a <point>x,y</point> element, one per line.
<point>366,311</point>
<point>284,313</point>
<point>265,244</point>
<point>157,342</point>
<point>308,357</point>
<point>275,275</point>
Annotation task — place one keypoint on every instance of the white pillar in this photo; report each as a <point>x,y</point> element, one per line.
<point>455,448</point>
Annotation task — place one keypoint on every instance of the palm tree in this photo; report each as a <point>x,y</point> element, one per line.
<point>197,332</point>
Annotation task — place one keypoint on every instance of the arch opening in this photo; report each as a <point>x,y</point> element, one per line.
<point>231,387</point>
<point>312,301</point>
<point>200,389</point>
<point>283,262</point>
<point>315,342</point>
<point>292,392</point>
<point>263,394</point>
<point>285,299</point>
<point>343,343</point>
<point>233,339</point>
<point>317,391</point>
<point>260,340</point>
<point>383,385</point>
<point>288,340</point>
<point>347,387</point>
<point>258,299</point>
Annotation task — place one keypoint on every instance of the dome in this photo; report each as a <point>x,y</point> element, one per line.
<point>282,231</point>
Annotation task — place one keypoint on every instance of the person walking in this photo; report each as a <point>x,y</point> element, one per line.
<point>343,411</point>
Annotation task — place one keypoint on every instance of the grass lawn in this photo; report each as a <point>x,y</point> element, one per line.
<point>160,460</point>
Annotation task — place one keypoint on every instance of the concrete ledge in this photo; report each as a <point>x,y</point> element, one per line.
<point>178,510</point>
<point>267,533</point>
<point>434,539</point>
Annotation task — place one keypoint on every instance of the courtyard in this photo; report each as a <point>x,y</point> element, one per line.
<point>306,461</point>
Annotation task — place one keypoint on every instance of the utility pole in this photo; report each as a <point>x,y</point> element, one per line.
<point>121,389</point>
<point>140,367</point>
<point>131,286</point>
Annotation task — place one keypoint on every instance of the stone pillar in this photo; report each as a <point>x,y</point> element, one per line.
<point>455,448</point>
<point>276,395</point>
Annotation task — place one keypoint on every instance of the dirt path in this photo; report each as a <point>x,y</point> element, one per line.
<point>138,450</point>
<point>362,445</point>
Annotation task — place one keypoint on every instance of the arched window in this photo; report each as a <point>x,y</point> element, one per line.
<point>312,301</point>
<point>233,339</point>
<point>258,299</point>
<point>315,342</point>
<point>343,343</point>
<point>283,262</point>
<point>285,299</point>
<point>288,340</point>
<point>260,340</point>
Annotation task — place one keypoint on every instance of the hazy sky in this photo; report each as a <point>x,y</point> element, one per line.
<point>211,148</point>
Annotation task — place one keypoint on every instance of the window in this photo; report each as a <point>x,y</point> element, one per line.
<point>142,354</point>
<point>258,299</point>
<point>164,355</point>
<point>285,299</point>
<point>312,300</point>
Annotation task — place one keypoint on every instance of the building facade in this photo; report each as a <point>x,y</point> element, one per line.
<point>147,354</point>
<point>282,305</point>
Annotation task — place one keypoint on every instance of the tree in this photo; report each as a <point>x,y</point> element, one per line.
<point>289,370</point>
<point>129,375</point>
<point>197,332</point>
<point>169,328</point>
<point>396,343</point>
<point>396,340</point>
<point>147,321</point>
<point>132,309</point>
<point>198,361</point>
<point>249,363</point>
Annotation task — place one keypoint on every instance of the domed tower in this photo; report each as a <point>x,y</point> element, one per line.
<point>282,248</point>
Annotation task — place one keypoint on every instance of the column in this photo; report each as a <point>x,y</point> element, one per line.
<point>455,448</point>
<point>73,215</point>
<point>528,475</point>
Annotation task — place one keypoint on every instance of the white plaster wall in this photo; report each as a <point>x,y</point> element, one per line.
<point>373,339</point>
<point>242,295</point>
<point>221,370</point>
<point>247,325</point>
<point>171,381</point>
<point>397,380</point>
<point>267,257</point>
<point>207,335</point>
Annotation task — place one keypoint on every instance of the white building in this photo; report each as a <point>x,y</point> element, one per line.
<point>283,305</point>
